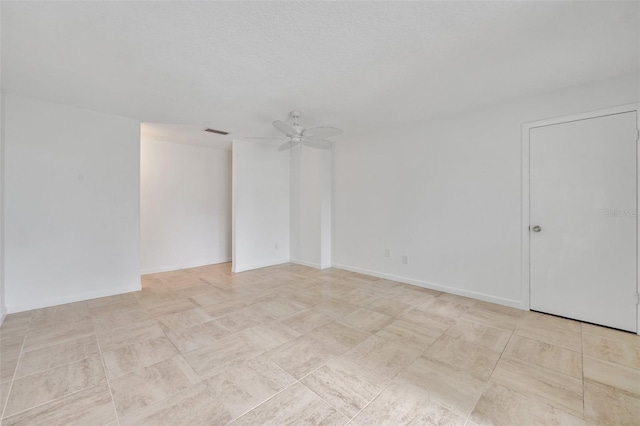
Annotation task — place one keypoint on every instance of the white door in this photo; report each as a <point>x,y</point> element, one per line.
<point>583,217</point>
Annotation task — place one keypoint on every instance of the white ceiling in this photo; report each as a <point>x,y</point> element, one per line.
<point>237,66</point>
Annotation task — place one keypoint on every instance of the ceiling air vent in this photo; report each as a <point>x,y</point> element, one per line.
<point>218,132</point>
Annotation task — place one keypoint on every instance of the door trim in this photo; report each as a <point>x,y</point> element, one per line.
<point>526,127</point>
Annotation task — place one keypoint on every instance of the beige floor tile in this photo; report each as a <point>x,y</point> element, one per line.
<point>56,335</point>
<point>43,359</point>
<point>209,297</point>
<point>553,336</point>
<point>307,298</point>
<point>16,324</point>
<point>8,367</point>
<point>152,298</point>
<point>427,320</point>
<point>460,300</point>
<point>220,355</point>
<point>611,374</point>
<point>42,318</point>
<point>383,356</point>
<point>130,358</point>
<point>536,319</point>
<point>338,337</point>
<point>10,349</point>
<point>114,306</point>
<point>480,334</point>
<point>72,312</point>
<point>4,393</point>
<point>147,385</point>
<point>345,385</point>
<point>390,307</point>
<point>545,355</point>
<point>332,289</point>
<point>245,386</point>
<point>243,319</point>
<point>611,334</point>
<point>501,309</point>
<point>198,287</point>
<point>268,336</point>
<point>223,308</point>
<point>502,406</point>
<point>457,391</point>
<point>606,405</point>
<point>491,318</point>
<point>197,405</point>
<point>172,307</point>
<point>359,297</point>
<point>306,321</point>
<point>296,405</point>
<point>119,319</point>
<point>335,308</point>
<point>91,406</point>
<point>562,391</point>
<point>434,352</point>
<point>196,337</point>
<point>415,297</point>
<point>458,354</point>
<point>366,320</point>
<point>126,336</point>
<point>301,356</point>
<point>446,308</point>
<point>611,350</point>
<point>39,388</point>
<point>405,404</point>
<point>279,308</point>
<point>400,330</point>
<point>182,320</point>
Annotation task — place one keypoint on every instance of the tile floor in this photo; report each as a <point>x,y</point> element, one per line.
<point>294,345</point>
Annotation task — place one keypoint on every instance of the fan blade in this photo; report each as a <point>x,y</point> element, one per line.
<point>318,143</point>
<point>285,128</point>
<point>321,132</point>
<point>288,145</point>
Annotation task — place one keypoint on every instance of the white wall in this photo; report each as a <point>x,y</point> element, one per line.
<point>446,192</point>
<point>260,205</point>
<point>311,206</point>
<point>185,205</point>
<point>3,308</point>
<point>72,229</point>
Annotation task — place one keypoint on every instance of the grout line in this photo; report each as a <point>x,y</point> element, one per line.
<point>52,400</point>
<point>13,379</point>
<point>106,377</point>
<point>264,402</point>
<point>328,403</point>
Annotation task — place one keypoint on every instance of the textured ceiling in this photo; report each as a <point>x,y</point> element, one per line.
<point>237,66</point>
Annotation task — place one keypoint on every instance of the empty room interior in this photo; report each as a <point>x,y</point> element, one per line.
<point>319,213</point>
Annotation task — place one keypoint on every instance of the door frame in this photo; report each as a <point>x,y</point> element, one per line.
<point>526,128</point>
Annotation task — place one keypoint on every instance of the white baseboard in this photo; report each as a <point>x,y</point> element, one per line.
<point>78,297</point>
<point>178,267</point>
<point>305,263</point>
<point>260,265</point>
<point>438,287</point>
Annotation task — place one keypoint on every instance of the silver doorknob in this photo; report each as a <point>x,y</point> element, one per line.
<point>536,228</point>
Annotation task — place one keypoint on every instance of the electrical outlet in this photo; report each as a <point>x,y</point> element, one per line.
<point>405,260</point>
<point>387,252</point>
<point>275,246</point>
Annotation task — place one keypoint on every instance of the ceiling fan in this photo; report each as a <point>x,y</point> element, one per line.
<point>297,134</point>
